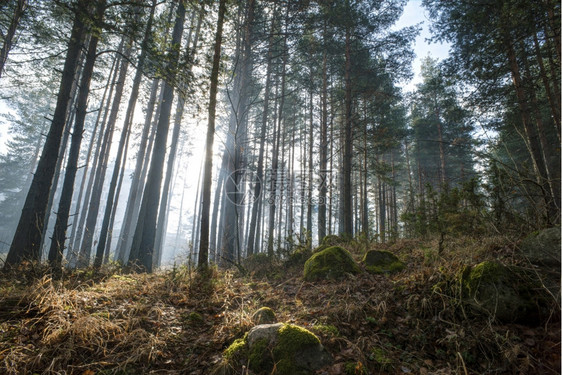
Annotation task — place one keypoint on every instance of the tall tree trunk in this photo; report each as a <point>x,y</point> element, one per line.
<point>231,220</point>
<point>97,190</point>
<point>19,11</point>
<point>310,168</point>
<point>111,197</point>
<point>532,139</point>
<point>323,147</point>
<point>116,203</point>
<point>549,152</point>
<point>207,175</point>
<point>277,142</point>
<point>27,238</point>
<point>215,215</point>
<point>61,224</point>
<point>365,201</point>
<point>259,173</point>
<point>346,192</point>
<point>137,179</point>
<point>79,214</point>
<point>61,159</point>
<point>146,224</point>
<point>382,210</point>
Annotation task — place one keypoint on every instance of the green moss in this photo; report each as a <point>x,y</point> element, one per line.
<point>484,273</point>
<point>259,358</point>
<point>332,262</point>
<point>282,352</point>
<point>291,340</point>
<point>505,293</point>
<point>264,315</point>
<point>382,262</point>
<point>236,350</point>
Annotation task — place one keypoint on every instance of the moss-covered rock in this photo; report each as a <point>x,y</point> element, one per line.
<point>376,261</point>
<point>330,263</point>
<point>264,315</point>
<point>292,350</point>
<point>505,293</point>
<point>543,247</point>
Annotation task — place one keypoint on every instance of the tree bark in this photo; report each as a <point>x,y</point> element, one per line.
<point>323,148</point>
<point>21,6</point>
<point>207,175</point>
<point>259,172</point>
<point>146,224</point>
<point>111,197</point>
<point>61,224</point>
<point>345,200</point>
<point>27,238</point>
<point>97,190</point>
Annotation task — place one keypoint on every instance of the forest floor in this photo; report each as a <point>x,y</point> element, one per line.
<point>176,322</point>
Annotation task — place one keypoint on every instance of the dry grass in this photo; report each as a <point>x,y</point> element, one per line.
<point>179,322</point>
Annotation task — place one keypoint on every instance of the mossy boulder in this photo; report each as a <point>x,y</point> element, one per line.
<point>264,315</point>
<point>505,293</point>
<point>331,263</point>
<point>291,349</point>
<point>380,261</point>
<point>543,248</point>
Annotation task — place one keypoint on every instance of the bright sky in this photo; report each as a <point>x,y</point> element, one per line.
<point>413,14</point>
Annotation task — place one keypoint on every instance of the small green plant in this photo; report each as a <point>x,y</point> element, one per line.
<point>381,358</point>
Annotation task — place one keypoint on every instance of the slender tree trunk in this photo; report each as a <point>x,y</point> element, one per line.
<point>275,156</point>
<point>97,190</point>
<point>346,192</point>
<point>323,148</point>
<point>310,168</point>
<point>331,175</point>
<point>259,173</point>
<point>116,203</point>
<point>21,7</point>
<point>382,211</point>
<point>207,175</point>
<point>215,215</point>
<point>124,137</point>
<point>27,238</point>
<point>549,153</point>
<point>79,214</point>
<point>137,179</point>
<point>146,224</point>
<point>365,201</point>
<point>61,159</point>
<point>533,142</point>
<point>61,224</point>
